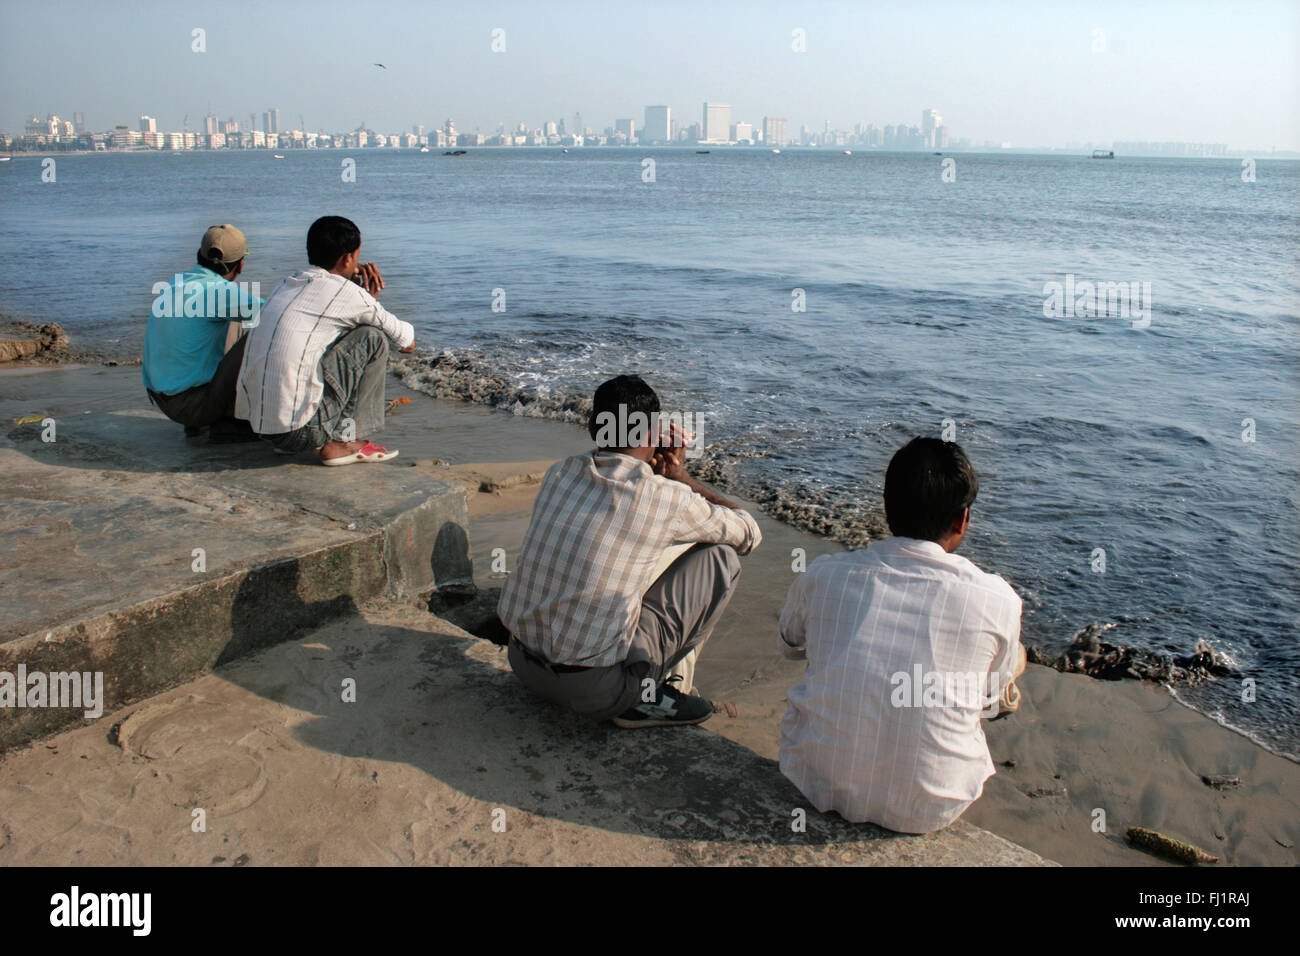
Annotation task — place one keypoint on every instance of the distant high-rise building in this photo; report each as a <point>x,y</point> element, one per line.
<point>717,123</point>
<point>659,125</point>
<point>79,122</point>
<point>210,125</point>
<point>271,121</point>
<point>627,127</point>
<point>742,132</point>
<point>148,124</point>
<point>930,121</point>
<point>774,130</point>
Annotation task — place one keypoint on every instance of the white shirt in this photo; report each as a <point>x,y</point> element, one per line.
<point>880,627</point>
<point>600,526</point>
<point>280,384</point>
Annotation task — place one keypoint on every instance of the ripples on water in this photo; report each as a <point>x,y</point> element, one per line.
<point>924,303</point>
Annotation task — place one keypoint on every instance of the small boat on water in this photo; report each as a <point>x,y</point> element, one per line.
<point>424,149</point>
<point>5,159</point>
<point>848,152</point>
<point>1103,154</point>
<point>278,156</point>
<point>701,152</point>
<point>776,151</point>
<point>455,152</point>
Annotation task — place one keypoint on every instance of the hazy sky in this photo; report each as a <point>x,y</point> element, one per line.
<point>1022,72</point>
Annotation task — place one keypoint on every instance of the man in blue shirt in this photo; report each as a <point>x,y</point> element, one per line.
<point>188,373</point>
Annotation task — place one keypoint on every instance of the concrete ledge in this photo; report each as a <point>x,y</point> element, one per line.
<point>132,551</point>
<point>438,757</point>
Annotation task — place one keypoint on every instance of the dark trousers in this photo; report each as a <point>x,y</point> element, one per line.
<point>208,403</point>
<point>678,614</point>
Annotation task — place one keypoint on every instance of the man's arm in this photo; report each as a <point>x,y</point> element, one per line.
<point>670,461</point>
<point>793,615</point>
<point>704,491</point>
<point>1006,665</point>
<point>372,313</point>
<point>707,516</point>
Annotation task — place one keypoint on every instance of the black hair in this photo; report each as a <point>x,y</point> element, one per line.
<point>329,238</point>
<point>630,391</point>
<point>927,486</point>
<point>217,266</point>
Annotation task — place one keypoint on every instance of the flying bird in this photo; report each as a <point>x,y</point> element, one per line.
<point>381,66</point>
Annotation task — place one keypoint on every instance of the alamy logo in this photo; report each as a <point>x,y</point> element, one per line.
<point>1120,300</point>
<point>968,689</point>
<point>631,429</point>
<point>211,300</point>
<point>103,909</point>
<point>59,689</point>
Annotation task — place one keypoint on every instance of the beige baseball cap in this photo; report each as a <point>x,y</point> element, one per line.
<point>223,244</point>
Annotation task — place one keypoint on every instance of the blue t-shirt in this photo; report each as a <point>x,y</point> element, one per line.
<point>186,335</point>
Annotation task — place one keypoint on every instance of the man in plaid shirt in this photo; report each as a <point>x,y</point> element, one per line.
<point>594,626</point>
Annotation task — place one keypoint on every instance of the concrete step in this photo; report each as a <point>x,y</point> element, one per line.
<point>134,552</point>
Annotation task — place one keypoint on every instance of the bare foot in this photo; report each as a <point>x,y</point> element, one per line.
<point>339,449</point>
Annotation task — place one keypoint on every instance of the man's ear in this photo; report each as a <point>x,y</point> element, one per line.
<point>961,523</point>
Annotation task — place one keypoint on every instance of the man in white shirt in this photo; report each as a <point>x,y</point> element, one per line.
<point>595,626</point>
<point>908,645</point>
<point>314,366</point>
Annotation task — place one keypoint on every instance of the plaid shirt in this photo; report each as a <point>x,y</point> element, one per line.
<point>600,524</point>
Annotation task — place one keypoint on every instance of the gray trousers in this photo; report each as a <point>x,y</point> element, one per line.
<point>678,614</point>
<point>353,369</point>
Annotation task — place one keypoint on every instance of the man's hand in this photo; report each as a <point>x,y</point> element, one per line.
<point>409,349</point>
<point>367,276</point>
<point>670,462</point>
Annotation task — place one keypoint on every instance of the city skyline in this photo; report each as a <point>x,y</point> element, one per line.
<point>932,133</point>
<point>1009,73</point>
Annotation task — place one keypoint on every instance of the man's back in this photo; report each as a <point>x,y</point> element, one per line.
<point>280,384</point>
<point>600,524</point>
<point>185,337</point>
<point>904,643</point>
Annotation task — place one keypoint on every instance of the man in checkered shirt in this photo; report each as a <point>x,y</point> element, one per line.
<point>594,625</point>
